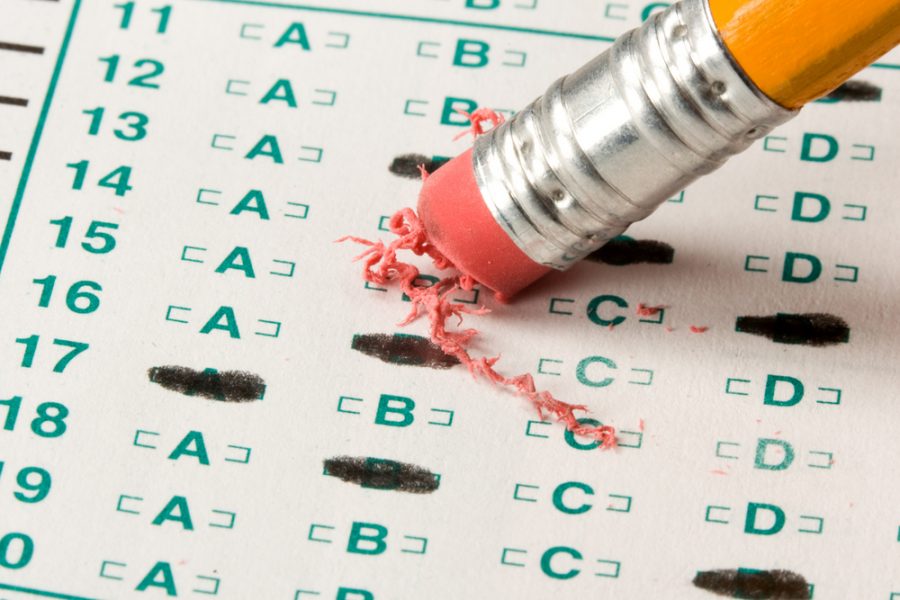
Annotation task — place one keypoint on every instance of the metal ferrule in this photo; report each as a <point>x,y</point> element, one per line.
<point>606,145</point>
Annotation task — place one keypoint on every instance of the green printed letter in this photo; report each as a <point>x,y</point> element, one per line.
<point>400,407</point>
<point>370,543</point>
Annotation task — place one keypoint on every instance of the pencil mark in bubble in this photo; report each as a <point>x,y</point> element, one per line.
<point>808,329</point>
<point>224,386</point>
<point>403,349</point>
<point>754,585</point>
<point>407,165</point>
<point>623,250</point>
<point>855,91</point>
<point>382,474</point>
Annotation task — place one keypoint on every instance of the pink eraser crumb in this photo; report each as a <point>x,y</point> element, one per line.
<point>382,267</point>
<point>477,120</point>
<point>699,329</point>
<point>643,310</point>
<point>462,227</point>
<point>456,230</point>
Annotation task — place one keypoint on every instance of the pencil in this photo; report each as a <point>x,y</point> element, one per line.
<point>669,102</point>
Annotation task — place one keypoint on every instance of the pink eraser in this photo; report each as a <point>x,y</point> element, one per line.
<point>461,226</point>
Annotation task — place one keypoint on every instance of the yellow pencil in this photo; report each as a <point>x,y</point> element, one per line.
<point>798,50</point>
<point>668,103</point>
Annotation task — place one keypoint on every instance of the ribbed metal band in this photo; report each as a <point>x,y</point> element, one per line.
<point>606,145</point>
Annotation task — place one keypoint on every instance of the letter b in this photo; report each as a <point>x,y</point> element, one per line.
<point>371,543</point>
<point>450,116</point>
<point>471,53</point>
<point>402,414</point>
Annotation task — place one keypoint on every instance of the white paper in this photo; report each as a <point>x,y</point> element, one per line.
<point>651,511</point>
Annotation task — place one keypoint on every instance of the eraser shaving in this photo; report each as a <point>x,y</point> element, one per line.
<point>456,230</point>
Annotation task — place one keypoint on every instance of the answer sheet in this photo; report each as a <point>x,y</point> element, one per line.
<point>200,397</point>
